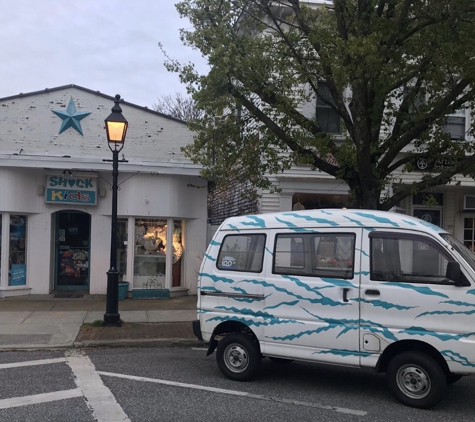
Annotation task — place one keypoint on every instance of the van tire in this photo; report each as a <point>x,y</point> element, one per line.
<point>452,378</point>
<point>416,380</point>
<point>238,356</point>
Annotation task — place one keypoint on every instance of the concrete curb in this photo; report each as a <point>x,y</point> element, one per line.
<point>36,347</point>
<point>152,342</point>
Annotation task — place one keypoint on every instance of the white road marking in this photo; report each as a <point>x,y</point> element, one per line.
<point>31,363</point>
<point>236,393</point>
<point>40,398</point>
<point>203,349</point>
<point>99,398</point>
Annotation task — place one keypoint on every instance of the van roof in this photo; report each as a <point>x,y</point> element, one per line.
<point>297,220</point>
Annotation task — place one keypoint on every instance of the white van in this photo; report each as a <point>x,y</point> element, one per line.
<point>357,288</point>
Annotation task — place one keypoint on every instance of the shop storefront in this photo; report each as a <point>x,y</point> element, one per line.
<point>55,198</point>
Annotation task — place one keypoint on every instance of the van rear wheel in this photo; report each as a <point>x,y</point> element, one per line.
<point>238,356</point>
<point>416,380</point>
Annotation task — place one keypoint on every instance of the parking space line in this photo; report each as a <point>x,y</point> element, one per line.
<point>31,363</point>
<point>236,393</point>
<point>40,398</point>
<point>99,398</point>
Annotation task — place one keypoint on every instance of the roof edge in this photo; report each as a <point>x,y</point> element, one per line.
<point>90,91</point>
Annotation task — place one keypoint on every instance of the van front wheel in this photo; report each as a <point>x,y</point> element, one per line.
<point>238,356</point>
<point>416,380</point>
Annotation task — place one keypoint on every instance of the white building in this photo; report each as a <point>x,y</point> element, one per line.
<point>55,196</point>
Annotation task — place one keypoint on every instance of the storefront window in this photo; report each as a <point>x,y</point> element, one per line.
<point>150,252</point>
<point>17,250</point>
<point>177,253</point>
<point>122,247</point>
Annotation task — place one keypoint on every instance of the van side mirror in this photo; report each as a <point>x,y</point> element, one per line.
<point>455,274</point>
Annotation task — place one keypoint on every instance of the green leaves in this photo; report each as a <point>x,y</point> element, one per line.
<point>394,69</point>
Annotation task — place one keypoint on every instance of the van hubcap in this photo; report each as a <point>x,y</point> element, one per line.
<point>413,381</point>
<point>236,358</point>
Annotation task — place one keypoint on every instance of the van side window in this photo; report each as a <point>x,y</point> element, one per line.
<point>242,253</point>
<point>315,254</point>
<point>403,258</point>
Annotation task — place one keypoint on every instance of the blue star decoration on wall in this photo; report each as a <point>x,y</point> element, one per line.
<point>71,117</point>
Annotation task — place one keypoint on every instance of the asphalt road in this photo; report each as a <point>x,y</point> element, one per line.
<point>113,385</point>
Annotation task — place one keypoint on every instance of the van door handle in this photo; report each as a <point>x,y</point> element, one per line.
<point>372,292</point>
<point>345,294</point>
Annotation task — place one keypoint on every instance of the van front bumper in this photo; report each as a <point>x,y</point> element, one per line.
<point>197,329</point>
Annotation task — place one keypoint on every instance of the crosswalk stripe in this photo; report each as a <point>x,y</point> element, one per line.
<point>40,398</point>
<point>31,363</point>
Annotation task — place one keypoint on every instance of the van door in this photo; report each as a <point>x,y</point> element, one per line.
<point>406,296</point>
<point>312,294</point>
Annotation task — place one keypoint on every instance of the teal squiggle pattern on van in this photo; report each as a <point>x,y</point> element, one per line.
<point>431,226</point>
<point>383,220</point>
<point>419,289</point>
<point>251,321</point>
<point>457,357</point>
<point>210,257</point>
<point>357,222</point>
<point>445,313</point>
<point>411,223</point>
<point>363,252</point>
<point>361,272</point>
<point>246,321</point>
<point>245,311</point>
<point>457,303</point>
<point>419,331</point>
<point>215,278</point>
<point>303,333</point>
<point>308,218</point>
<point>342,352</point>
<point>326,212</point>
<point>210,289</point>
<point>278,305</point>
<point>258,222</point>
<point>323,300</point>
<point>471,292</point>
<point>386,305</point>
<point>214,243</point>
<point>268,250</point>
<point>338,282</point>
<point>231,226</point>
<point>332,281</point>
<point>294,227</point>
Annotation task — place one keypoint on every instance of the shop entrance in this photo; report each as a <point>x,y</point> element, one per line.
<point>72,242</point>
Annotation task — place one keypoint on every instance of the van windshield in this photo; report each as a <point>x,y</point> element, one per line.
<point>466,253</point>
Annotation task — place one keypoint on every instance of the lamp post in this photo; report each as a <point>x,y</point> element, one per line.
<point>116,127</point>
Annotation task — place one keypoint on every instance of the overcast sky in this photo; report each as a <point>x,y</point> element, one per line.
<point>109,46</point>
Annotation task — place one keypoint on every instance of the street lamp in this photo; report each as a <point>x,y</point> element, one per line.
<point>116,127</point>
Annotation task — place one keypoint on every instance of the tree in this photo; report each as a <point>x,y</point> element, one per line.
<point>177,106</point>
<point>392,70</point>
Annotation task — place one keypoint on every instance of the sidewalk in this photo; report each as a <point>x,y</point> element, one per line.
<point>45,322</point>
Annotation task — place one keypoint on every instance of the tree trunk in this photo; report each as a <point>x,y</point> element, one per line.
<point>365,193</point>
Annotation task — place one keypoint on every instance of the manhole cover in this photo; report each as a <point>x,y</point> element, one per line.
<point>24,338</point>
<point>66,296</point>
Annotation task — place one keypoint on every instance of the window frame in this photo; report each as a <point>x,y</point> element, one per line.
<point>309,269</point>
<point>416,238</point>
<point>323,103</point>
<point>264,235</point>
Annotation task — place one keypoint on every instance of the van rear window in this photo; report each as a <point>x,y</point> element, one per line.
<point>315,255</point>
<point>242,252</point>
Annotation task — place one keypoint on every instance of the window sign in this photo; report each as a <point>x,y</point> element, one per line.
<point>18,275</point>
<point>81,189</point>
<point>17,250</point>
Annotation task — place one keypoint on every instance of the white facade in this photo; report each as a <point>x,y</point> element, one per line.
<point>158,189</point>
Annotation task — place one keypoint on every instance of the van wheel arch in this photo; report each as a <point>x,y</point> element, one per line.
<point>410,345</point>
<point>229,327</point>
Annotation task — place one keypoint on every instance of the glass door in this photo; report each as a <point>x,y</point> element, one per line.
<point>73,231</point>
